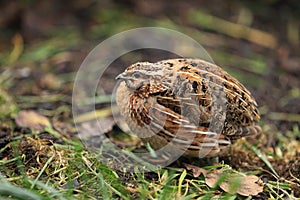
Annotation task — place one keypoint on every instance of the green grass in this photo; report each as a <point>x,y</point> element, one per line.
<point>70,172</point>
<point>60,172</point>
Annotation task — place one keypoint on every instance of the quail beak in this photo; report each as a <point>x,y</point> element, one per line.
<point>122,77</point>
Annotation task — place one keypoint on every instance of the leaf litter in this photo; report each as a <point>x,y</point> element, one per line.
<point>229,180</point>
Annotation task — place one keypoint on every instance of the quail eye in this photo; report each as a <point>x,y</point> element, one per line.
<point>137,75</point>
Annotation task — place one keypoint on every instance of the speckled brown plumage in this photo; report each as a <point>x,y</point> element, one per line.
<point>191,104</point>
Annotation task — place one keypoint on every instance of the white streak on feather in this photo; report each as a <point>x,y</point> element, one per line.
<point>170,114</point>
<point>203,132</point>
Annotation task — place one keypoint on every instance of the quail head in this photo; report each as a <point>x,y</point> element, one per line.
<point>186,106</point>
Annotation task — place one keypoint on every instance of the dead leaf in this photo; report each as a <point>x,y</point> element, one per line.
<point>96,127</point>
<point>212,178</point>
<point>250,185</point>
<point>32,119</point>
<point>246,185</point>
<point>197,171</point>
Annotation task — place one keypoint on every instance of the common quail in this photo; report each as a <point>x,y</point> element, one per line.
<point>190,106</point>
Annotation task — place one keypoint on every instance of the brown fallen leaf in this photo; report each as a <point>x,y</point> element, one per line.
<point>235,182</point>
<point>212,177</point>
<point>32,119</point>
<point>94,128</point>
<point>197,171</point>
<point>250,185</point>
